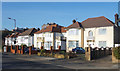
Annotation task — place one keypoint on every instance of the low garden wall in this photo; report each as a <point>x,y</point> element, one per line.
<point>60,54</point>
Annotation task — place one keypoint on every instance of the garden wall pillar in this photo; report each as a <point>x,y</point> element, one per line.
<point>17,49</point>
<point>51,48</point>
<point>30,50</point>
<point>11,48</point>
<point>88,54</point>
<point>41,47</point>
<point>59,48</point>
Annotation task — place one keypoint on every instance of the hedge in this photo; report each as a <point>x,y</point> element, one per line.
<point>116,52</point>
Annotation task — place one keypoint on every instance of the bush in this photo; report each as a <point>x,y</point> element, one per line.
<point>62,52</point>
<point>42,50</point>
<point>70,55</point>
<point>116,52</point>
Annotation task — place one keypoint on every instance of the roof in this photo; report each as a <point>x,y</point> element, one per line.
<point>7,36</point>
<point>28,32</point>
<point>13,35</point>
<point>97,22</point>
<point>75,25</point>
<point>63,29</point>
<point>16,34</point>
<point>52,28</point>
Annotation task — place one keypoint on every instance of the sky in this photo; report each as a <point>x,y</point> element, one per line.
<point>35,14</point>
<point>60,0</point>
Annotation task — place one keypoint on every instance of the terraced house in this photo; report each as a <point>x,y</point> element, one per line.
<point>50,35</point>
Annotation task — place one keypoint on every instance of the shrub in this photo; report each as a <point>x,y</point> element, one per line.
<point>42,50</point>
<point>62,52</point>
<point>39,53</point>
<point>23,45</point>
<point>70,55</point>
<point>116,52</point>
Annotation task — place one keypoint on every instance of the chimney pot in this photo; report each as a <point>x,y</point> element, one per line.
<point>74,21</point>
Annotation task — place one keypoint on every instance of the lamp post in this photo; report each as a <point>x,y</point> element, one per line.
<point>14,21</point>
<point>15,27</point>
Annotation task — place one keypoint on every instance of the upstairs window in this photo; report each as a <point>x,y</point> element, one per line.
<point>47,35</point>
<point>102,31</point>
<point>73,32</point>
<point>90,33</point>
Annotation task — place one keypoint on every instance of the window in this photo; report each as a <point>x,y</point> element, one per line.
<point>73,44</point>
<point>48,35</point>
<point>102,43</point>
<point>48,44</point>
<point>26,38</point>
<point>22,39</point>
<point>90,33</point>
<point>102,31</point>
<point>73,32</point>
<point>77,43</point>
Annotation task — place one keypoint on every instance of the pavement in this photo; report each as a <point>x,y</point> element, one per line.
<point>17,61</point>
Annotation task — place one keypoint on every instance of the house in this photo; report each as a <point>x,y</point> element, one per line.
<point>7,40</point>
<point>11,39</point>
<point>99,32</point>
<point>93,32</point>
<point>27,37</point>
<point>74,35</point>
<point>50,35</point>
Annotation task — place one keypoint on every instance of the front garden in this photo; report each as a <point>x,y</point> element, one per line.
<point>59,54</point>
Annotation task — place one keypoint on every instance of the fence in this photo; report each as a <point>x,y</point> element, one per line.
<point>96,53</point>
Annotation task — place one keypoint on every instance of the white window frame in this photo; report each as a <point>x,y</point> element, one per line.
<point>73,44</point>
<point>102,43</point>
<point>100,31</point>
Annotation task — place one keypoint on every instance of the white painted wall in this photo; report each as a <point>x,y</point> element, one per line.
<point>48,37</point>
<point>108,37</point>
<point>71,37</point>
<point>27,40</point>
<point>61,43</point>
<point>6,41</point>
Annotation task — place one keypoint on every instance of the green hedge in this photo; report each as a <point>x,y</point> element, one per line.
<point>116,52</point>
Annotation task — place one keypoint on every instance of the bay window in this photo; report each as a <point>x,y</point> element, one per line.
<point>102,43</point>
<point>73,44</point>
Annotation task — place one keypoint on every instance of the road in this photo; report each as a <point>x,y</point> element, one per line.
<point>16,61</point>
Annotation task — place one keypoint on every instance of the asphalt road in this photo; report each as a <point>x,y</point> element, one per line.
<point>16,61</point>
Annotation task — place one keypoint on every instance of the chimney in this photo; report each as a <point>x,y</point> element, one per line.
<point>38,29</point>
<point>116,19</point>
<point>74,21</point>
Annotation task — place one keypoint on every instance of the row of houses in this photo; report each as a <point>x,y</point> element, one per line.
<point>92,32</point>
